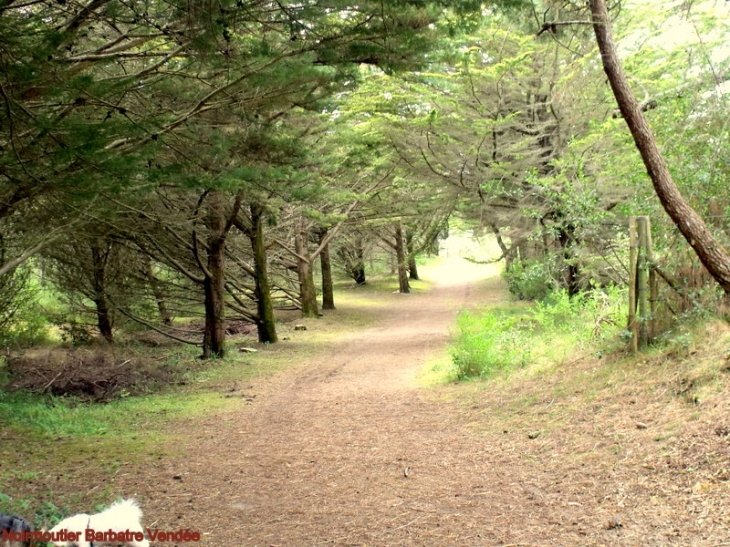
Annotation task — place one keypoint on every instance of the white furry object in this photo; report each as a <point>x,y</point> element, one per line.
<point>120,517</point>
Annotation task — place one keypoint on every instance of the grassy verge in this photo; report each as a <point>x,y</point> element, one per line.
<point>675,390</point>
<point>562,366</point>
<point>514,336</point>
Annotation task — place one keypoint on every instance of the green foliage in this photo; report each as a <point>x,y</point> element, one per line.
<point>48,515</point>
<point>45,516</point>
<point>489,342</point>
<point>408,109</point>
<point>22,324</point>
<point>28,328</point>
<point>530,280</point>
<point>507,338</point>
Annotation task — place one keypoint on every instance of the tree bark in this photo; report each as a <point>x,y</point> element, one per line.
<point>214,283</point>
<point>103,314</point>
<point>265,320</point>
<point>412,266</point>
<point>400,253</point>
<point>353,257</point>
<point>358,274</point>
<point>306,277</point>
<point>328,294</point>
<point>566,238</point>
<point>358,268</point>
<point>214,288</point>
<point>712,255</point>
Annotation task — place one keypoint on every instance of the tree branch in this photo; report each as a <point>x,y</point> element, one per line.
<point>553,25</point>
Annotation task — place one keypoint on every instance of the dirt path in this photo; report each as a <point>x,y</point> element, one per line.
<point>349,451</point>
<point>346,449</point>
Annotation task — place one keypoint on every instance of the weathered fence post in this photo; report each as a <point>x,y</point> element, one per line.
<point>642,280</point>
<point>633,325</point>
<point>653,283</point>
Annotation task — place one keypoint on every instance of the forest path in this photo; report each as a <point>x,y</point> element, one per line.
<point>348,450</point>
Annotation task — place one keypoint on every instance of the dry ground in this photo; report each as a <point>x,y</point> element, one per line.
<point>347,449</point>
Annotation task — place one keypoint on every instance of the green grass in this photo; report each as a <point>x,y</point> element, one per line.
<point>438,369</point>
<point>68,417</point>
<point>510,336</point>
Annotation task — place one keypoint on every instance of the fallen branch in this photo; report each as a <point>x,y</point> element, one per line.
<point>156,329</point>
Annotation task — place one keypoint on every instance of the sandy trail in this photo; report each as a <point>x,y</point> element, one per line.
<point>346,449</point>
<point>349,450</point>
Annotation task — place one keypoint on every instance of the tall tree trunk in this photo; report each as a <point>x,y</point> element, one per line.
<point>306,277</point>
<point>265,321</point>
<point>358,272</point>
<point>214,284</point>
<point>214,288</point>
<point>400,253</point>
<point>412,266</point>
<point>714,257</point>
<point>328,294</point>
<point>103,314</point>
<point>358,269</point>
<point>566,237</point>
<point>157,291</point>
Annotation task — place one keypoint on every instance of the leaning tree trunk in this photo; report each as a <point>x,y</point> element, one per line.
<point>400,253</point>
<point>103,314</point>
<point>328,293</point>
<point>306,277</point>
<point>712,255</point>
<point>265,321</point>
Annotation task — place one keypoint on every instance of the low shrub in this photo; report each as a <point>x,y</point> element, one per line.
<point>530,280</point>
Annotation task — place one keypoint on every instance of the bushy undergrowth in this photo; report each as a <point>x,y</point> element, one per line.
<point>509,337</point>
<point>531,280</point>
<point>21,322</point>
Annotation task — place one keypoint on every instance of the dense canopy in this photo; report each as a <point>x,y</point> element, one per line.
<point>167,160</point>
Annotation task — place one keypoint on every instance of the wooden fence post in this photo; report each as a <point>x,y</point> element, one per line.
<point>653,283</point>
<point>633,325</point>
<point>642,280</point>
